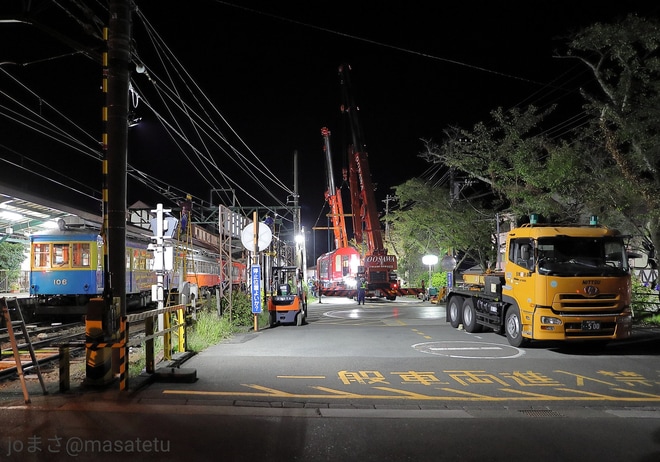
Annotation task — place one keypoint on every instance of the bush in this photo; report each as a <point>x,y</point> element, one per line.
<point>11,258</point>
<point>241,309</point>
<point>645,302</point>
<point>208,329</point>
<point>439,279</point>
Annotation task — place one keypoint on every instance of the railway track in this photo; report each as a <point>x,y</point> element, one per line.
<point>45,341</point>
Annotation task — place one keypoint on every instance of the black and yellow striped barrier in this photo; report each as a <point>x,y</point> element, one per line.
<point>99,351</point>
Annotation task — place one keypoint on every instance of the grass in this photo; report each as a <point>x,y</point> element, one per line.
<point>209,329</point>
<point>645,304</point>
<point>206,329</point>
<point>655,320</point>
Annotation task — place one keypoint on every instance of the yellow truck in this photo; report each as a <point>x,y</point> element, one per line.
<point>556,283</point>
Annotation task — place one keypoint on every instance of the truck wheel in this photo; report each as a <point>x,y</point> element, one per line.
<point>299,318</point>
<point>271,318</point>
<point>513,327</point>
<point>455,311</point>
<point>470,317</point>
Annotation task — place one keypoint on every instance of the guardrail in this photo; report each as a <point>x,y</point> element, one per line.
<point>150,334</point>
<point>122,343</point>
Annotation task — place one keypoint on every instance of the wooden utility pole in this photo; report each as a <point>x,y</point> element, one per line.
<point>119,57</point>
<point>104,316</point>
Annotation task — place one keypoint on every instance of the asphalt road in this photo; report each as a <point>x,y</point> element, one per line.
<point>404,353</point>
<point>388,381</point>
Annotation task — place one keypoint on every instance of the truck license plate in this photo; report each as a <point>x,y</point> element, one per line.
<point>590,325</point>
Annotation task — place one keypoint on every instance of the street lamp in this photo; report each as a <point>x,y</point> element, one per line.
<point>430,260</point>
<point>301,241</point>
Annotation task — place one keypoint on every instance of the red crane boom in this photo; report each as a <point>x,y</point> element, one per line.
<point>333,196</point>
<point>379,267</point>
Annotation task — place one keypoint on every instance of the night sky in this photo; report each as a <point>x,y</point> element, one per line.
<point>271,70</point>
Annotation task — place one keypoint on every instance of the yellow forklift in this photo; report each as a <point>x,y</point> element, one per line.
<point>287,303</point>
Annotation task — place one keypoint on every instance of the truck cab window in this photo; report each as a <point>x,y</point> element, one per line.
<point>521,252</point>
<point>564,256</point>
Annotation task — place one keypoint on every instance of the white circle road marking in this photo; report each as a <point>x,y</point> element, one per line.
<point>458,349</point>
<point>357,313</point>
<point>465,348</point>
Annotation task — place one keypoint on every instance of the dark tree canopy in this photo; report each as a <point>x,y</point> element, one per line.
<point>609,166</point>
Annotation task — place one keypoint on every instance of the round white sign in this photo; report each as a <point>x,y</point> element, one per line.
<point>264,239</point>
<point>448,263</point>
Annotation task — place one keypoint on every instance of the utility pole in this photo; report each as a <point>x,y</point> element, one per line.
<point>296,212</point>
<point>387,200</point>
<point>105,316</point>
<point>119,56</point>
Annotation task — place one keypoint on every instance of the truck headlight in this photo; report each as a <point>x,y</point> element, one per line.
<point>550,320</point>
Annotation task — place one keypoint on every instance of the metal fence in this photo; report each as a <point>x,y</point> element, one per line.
<point>21,283</point>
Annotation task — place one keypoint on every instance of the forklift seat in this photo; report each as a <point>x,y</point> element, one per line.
<point>284,289</point>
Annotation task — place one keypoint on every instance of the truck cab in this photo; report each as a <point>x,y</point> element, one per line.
<point>556,283</point>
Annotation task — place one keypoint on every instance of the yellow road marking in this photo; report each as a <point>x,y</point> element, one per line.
<point>405,395</point>
<point>529,394</point>
<point>428,337</point>
<point>467,395</point>
<point>338,393</point>
<point>585,392</point>
<point>637,393</point>
<point>581,378</point>
<point>271,391</point>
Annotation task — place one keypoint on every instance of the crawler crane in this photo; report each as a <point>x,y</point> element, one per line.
<point>337,269</point>
<point>379,268</point>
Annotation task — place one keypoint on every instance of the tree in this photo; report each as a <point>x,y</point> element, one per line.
<point>610,167</point>
<point>527,172</point>
<point>625,106</point>
<point>431,221</point>
<point>12,256</point>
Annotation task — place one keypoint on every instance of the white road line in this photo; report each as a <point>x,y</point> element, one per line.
<point>464,348</point>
